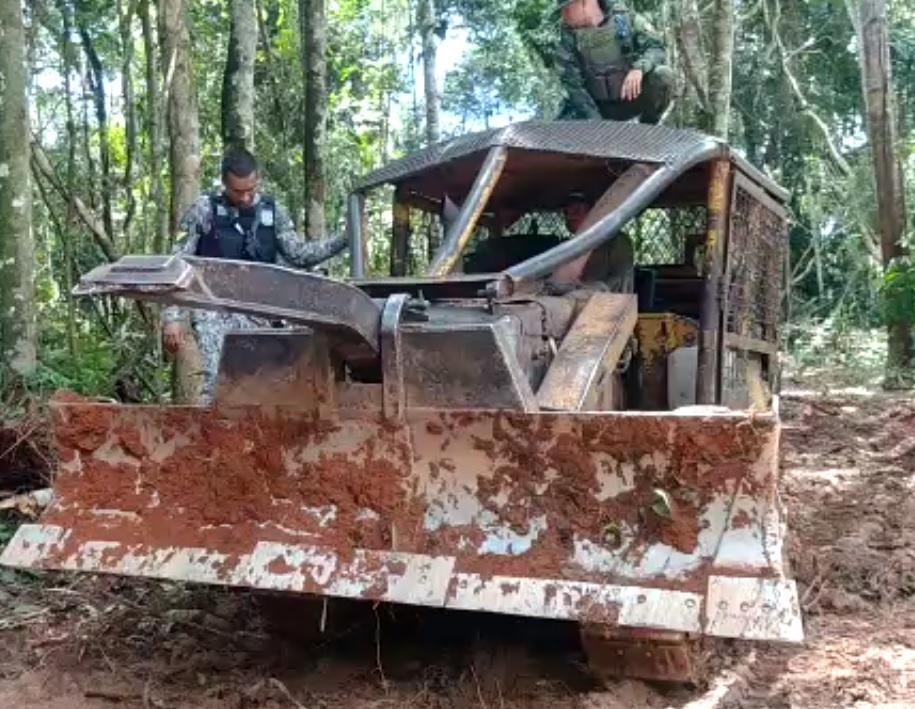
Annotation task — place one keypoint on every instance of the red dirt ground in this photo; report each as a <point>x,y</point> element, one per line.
<point>849,485</point>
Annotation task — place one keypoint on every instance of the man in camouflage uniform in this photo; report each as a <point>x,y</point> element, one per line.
<point>611,264</point>
<point>238,222</point>
<point>611,64</point>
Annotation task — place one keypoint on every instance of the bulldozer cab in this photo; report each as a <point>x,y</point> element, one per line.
<point>459,423</point>
<point>703,252</point>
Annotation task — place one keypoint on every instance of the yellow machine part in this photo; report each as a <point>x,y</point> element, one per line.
<point>658,335</point>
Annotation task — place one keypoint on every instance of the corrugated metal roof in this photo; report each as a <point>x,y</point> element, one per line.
<point>601,139</point>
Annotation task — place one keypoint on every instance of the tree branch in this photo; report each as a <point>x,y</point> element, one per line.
<point>42,166</point>
<point>804,104</point>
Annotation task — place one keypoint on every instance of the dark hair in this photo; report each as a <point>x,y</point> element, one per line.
<point>239,162</point>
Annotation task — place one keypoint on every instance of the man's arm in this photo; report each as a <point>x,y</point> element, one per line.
<point>297,251</point>
<point>196,221</point>
<point>571,76</point>
<point>647,48</point>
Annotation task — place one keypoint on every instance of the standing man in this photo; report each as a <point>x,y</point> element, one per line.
<point>610,63</point>
<point>238,222</point>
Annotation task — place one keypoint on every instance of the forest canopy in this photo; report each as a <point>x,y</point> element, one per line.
<point>130,104</point>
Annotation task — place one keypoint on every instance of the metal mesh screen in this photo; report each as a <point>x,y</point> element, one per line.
<point>753,285</point>
<point>659,234</point>
<point>756,257</point>
<point>540,223</point>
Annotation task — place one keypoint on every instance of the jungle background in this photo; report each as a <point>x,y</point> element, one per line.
<point>130,103</point>
<point>113,117</point>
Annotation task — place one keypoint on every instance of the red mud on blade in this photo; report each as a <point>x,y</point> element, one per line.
<point>637,519</point>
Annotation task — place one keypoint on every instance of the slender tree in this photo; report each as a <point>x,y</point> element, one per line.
<point>708,72</point>
<point>126,14</point>
<point>183,119</point>
<point>869,19</point>
<point>426,22</point>
<point>314,71</point>
<point>154,123</point>
<point>17,315</point>
<point>238,78</point>
<point>184,154</point>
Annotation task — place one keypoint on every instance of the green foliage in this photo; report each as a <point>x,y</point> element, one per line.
<point>898,291</point>
<point>835,344</point>
<point>838,286</point>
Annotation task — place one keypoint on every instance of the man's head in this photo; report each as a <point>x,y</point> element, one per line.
<point>575,212</point>
<point>240,178</point>
<point>581,13</point>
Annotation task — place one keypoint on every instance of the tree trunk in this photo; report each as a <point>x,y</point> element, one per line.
<point>125,22</point>
<point>96,75</point>
<point>67,53</point>
<point>706,60</point>
<point>426,20</point>
<point>17,314</point>
<point>184,155</point>
<point>181,101</point>
<point>154,115</point>
<point>314,70</point>
<point>692,55</point>
<point>879,102</point>
<point>720,68</point>
<point>238,78</point>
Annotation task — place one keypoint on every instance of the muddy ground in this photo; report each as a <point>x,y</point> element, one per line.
<point>849,486</point>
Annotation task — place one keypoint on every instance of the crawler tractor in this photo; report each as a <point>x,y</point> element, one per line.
<point>471,428</point>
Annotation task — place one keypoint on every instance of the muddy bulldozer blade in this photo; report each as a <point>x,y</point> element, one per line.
<point>662,522</point>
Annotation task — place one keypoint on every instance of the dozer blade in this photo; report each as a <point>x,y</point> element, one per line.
<point>662,521</point>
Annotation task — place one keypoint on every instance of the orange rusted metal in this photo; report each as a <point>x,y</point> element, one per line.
<point>621,518</point>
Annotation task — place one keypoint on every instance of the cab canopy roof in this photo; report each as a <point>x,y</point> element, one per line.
<point>547,162</point>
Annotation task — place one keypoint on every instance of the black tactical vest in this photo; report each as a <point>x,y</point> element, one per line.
<point>241,234</point>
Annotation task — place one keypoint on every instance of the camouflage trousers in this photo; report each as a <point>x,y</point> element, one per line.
<point>657,92</point>
<point>209,330</point>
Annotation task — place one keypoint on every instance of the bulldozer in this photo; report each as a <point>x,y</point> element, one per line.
<point>455,425</point>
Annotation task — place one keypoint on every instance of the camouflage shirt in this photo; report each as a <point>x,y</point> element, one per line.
<point>643,50</point>
<point>291,249</point>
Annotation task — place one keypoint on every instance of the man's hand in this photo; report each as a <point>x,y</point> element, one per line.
<point>632,85</point>
<point>172,336</point>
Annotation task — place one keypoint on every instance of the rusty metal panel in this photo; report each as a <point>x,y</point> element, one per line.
<point>754,266</point>
<point>455,365</point>
<point>631,606</point>
<point>358,505</point>
<point>588,354</point>
<point>287,368</point>
<point>753,609</point>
